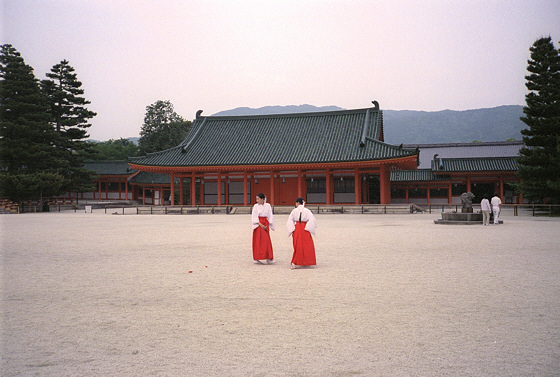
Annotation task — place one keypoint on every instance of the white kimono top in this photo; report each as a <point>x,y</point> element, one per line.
<point>306,216</point>
<point>262,210</point>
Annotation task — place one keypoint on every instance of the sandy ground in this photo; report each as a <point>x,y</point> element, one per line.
<point>392,295</point>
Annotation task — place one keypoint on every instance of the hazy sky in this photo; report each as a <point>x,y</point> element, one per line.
<point>218,55</point>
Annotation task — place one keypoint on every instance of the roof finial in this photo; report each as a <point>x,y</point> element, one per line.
<point>375,105</point>
<point>198,114</point>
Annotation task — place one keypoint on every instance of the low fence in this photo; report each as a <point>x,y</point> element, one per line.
<point>516,209</point>
<point>190,210</point>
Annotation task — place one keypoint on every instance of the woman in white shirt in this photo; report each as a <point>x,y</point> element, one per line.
<point>301,225</point>
<point>485,208</point>
<point>262,221</point>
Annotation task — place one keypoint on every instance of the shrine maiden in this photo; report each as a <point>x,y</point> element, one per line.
<point>262,220</point>
<point>301,225</point>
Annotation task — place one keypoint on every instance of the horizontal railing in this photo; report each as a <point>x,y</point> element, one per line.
<point>533,209</point>
<point>514,209</point>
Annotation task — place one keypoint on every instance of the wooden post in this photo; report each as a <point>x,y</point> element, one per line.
<point>245,188</point>
<point>428,193</point>
<point>385,185</point>
<point>181,189</point>
<point>357,188</point>
<point>193,189</point>
<point>299,183</point>
<point>271,201</point>
<point>219,188</point>
<point>328,184</point>
<point>172,185</point>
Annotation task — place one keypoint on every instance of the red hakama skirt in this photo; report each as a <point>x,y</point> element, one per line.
<point>262,245</point>
<point>304,248</point>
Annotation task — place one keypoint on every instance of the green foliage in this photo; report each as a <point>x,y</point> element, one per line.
<point>119,149</point>
<point>69,117</point>
<point>24,186</point>
<point>540,160</point>
<point>163,128</point>
<point>27,141</point>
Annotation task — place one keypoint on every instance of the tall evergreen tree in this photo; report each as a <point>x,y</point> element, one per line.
<point>70,117</point>
<point>163,128</point>
<point>30,162</point>
<point>539,161</point>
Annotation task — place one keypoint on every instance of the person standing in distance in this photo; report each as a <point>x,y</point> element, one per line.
<point>301,225</point>
<point>262,220</point>
<point>485,208</point>
<point>496,208</point>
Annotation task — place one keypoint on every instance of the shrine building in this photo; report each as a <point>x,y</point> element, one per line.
<point>335,157</point>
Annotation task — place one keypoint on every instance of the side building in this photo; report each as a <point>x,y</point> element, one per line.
<point>448,170</point>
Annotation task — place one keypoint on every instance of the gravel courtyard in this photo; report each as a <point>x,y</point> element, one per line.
<point>93,294</point>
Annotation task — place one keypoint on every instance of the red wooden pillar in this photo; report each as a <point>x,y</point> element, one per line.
<point>226,189</point>
<point>193,189</point>
<point>219,188</point>
<point>428,194</point>
<point>172,185</point>
<point>406,195</point>
<point>299,183</point>
<point>181,189</point>
<point>272,183</point>
<point>244,188</point>
<point>99,190</point>
<point>202,190</point>
<point>502,189</point>
<point>385,185</point>
<point>357,188</point>
<point>468,183</point>
<point>329,183</point>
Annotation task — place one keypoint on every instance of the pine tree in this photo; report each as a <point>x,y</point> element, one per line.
<point>69,117</point>
<point>30,162</point>
<point>539,161</point>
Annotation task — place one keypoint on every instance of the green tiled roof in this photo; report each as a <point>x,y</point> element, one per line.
<point>335,136</point>
<point>475,164</point>
<point>109,167</point>
<point>155,178</point>
<point>422,175</point>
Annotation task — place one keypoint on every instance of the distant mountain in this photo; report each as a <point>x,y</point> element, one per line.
<point>424,127</point>
<point>277,110</point>
<point>448,126</point>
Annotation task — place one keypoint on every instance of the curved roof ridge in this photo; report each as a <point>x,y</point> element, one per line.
<point>471,144</point>
<point>185,144</point>
<point>289,115</point>
<point>151,154</point>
